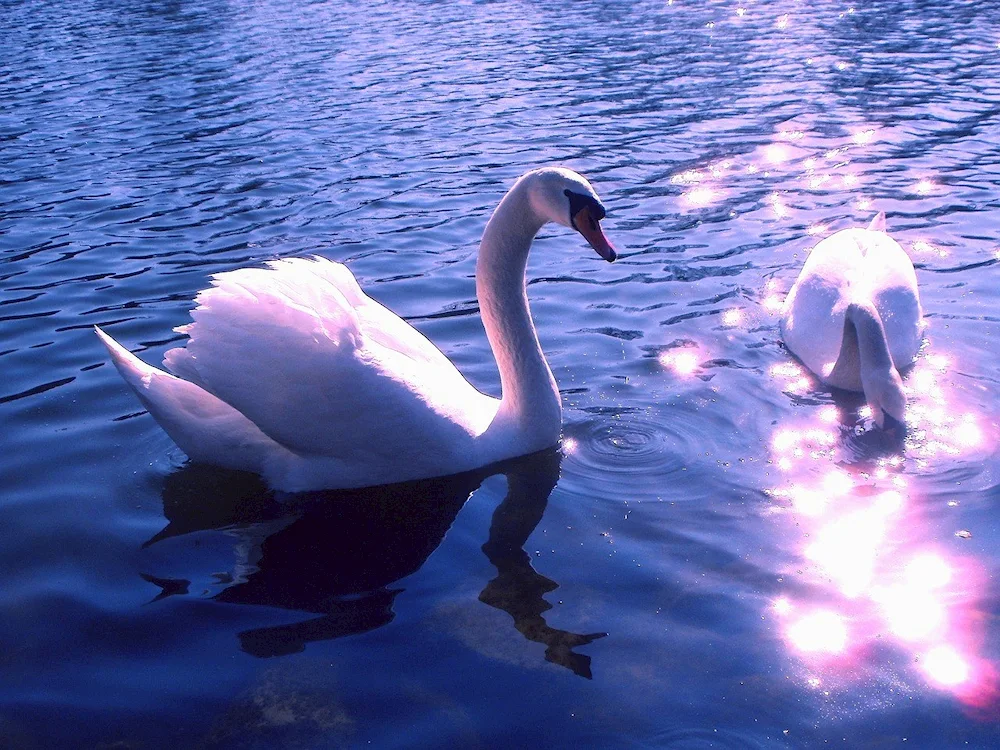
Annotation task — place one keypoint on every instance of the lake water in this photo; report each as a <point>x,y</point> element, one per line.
<point>723,555</point>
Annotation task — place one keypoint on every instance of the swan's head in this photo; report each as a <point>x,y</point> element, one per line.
<point>885,395</point>
<point>565,197</point>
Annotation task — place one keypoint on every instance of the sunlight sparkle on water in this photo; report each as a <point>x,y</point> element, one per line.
<point>780,209</point>
<point>569,445</point>
<point>864,137</point>
<point>701,196</point>
<point>945,666</point>
<point>837,483</point>
<point>808,502</point>
<point>938,361</point>
<point>858,541</point>
<point>924,187</point>
<point>967,433</point>
<point>923,381</point>
<point>888,502</point>
<point>732,317</point>
<point>784,440</point>
<point>821,631</point>
<point>683,362</point>
<point>912,613</point>
<point>928,570</point>
<point>689,177</point>
<point>776,154</point>
<point>773,302</point>
<point>785,370</point>
<point>848,547</point>
<point>796,379</point>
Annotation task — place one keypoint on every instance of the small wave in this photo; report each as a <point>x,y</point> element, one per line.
<point>602,450</point>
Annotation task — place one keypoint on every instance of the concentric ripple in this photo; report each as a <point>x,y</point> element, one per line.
<point>602,450</point>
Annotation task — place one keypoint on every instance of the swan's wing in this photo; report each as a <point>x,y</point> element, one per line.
<point>895,296</point>
<point>322,368</point>
<point>812,321</point>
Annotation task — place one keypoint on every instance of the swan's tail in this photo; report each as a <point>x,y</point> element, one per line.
<point>202,425</point>
<point>136,373</point>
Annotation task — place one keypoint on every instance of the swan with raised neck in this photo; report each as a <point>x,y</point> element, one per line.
<point>530,402</point>
<point>293,372</point>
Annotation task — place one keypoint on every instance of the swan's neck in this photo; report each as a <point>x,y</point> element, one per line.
<point>530,399</point>
<point>864,351</point>
<point>873,349</point>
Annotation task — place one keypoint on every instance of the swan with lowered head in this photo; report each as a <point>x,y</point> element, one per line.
<point>293,372</point>
<point>853,316</point>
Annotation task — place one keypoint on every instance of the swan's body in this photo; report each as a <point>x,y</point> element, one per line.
<point>853,315</point>
<point>293,372</point>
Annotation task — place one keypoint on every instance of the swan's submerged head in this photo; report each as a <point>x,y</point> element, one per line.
<point>885,395</point>
<point>562,196</point>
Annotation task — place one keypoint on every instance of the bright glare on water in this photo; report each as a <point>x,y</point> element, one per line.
<point>723,554</point>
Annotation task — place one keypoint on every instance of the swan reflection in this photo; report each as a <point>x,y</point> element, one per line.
<point>338,554</point>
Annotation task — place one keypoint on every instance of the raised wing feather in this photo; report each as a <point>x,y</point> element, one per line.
<point>322,368</point>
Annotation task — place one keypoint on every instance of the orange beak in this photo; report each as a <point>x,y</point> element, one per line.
<point>590,228</point>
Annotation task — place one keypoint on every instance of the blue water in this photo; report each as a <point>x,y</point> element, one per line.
<point>723,554</point>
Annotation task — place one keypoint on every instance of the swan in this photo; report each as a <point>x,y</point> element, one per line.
<point>853,316</point>
<point>294,373</point>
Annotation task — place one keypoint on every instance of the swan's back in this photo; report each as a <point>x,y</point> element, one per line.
<point>853,265</point>
<point>325,371</point>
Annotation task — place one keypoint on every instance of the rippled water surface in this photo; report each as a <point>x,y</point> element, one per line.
<point>723,554</point>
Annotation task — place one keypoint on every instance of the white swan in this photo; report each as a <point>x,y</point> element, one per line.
<point>294,373</point>
<point>853,316</point>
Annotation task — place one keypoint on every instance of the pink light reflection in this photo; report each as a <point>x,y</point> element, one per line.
<point>938,426</point>
<point>864,137</point>
<point>732,317</point>
<point>682,361</point>
<point>870,557</point>
<point>945,666</point>
<point>777,154</point>
<point>701,196</point>
<point>912,613</point>
<point>822,631</point>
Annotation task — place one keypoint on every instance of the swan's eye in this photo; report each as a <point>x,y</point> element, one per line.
<point>578,202</point>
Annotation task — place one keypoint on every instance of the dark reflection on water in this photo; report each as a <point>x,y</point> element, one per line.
<point>338,554</point>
